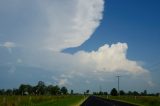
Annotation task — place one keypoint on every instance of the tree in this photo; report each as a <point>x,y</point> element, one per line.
<point>71,92</point>
<point>105,93</point>
<point>9,92</point>
<point>114,92</point>
<point>53,90</point>
<point>56,89</point>
<point>122,92</point>
<point>94,93</point>
<point>29,89</point>
<point>22,89</point>
<point>2,91</point>
<point>101,93</point>
<point>145,92</point>
<point>135,93</point>
<point>64,90</point>
<point>49,89</point>
<point>15,92</point>
<point>34,90</point>
<point>129,93</point>
<point>87,91</point>
<point>41,88</point>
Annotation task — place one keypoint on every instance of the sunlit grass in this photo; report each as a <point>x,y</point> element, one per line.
<point>140,100</point>
<point>40,100</point>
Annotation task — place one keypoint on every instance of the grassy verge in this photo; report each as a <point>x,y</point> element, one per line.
<point>40,100</point>
<point>81,101</point>
<point>138,100</point>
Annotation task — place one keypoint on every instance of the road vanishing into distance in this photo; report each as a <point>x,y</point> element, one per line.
<point>98,101</point>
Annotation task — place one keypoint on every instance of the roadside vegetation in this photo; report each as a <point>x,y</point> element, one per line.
<point>140,99</point>
<point>53,95</point>
<point>66,100</point>
<point>40,95</point>
<point>39,89</point>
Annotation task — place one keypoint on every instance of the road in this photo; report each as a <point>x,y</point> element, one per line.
<point>97,101</point>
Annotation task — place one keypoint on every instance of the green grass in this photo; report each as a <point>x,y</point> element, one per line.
<point>40,100</point>
<point>140,100</point>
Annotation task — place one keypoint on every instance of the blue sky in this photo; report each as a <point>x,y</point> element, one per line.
<point>135,22</point>
<point>80,44</point>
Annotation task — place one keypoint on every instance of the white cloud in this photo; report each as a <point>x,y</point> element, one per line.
<point>55,25</point>
<point>59,24</point>
<point>72,26</point>
<point>66,76</point>
<point>107,59</point>
<point>111,59</point>
<point>70,23</point>
<point>101,65</point>
<point>63,82</point>
<point>54,78</point>
<point>9,45</point>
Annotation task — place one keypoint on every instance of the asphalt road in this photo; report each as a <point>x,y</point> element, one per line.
<point>97,101</point>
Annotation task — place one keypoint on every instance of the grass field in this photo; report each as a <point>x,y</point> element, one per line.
<point>140,100</point>
<point>41,100</point>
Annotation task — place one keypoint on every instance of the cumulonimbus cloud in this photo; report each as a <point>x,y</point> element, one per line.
<point>106,62</point>
<point>59,24</point>
<point>111,59</point>
<point>101,64</point>
<point>72,24</point>
<point>55,25</point>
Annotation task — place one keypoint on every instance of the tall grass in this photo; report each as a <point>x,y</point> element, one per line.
<point>39,100</point>
<point>141,100</point>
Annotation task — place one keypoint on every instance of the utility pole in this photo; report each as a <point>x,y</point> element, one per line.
<point>118,84</point>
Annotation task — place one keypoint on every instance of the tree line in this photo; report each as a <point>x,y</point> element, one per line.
<point>39,89</point>
<point>114,92</point>
<point>42,89</point>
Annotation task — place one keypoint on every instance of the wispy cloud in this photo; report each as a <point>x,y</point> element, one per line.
<point>8,45</point>
<point>63,82</point>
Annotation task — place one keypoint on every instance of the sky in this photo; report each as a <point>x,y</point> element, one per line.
<point>80,44</point>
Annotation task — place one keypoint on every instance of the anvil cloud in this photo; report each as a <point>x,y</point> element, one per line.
<point>43,28</point>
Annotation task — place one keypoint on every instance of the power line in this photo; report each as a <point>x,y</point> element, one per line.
<point>154,65</point>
